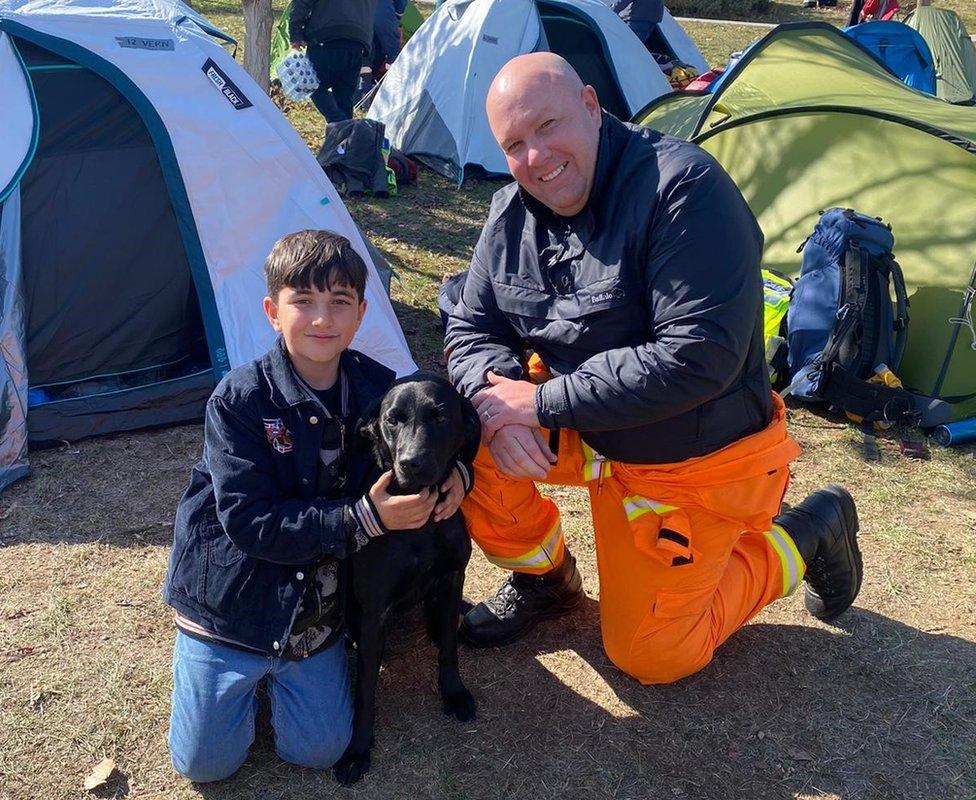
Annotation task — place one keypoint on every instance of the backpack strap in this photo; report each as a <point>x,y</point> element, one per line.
<point>901,313</point>
<point>877,403</point>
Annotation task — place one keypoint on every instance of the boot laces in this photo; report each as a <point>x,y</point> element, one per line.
<point>514,593</point>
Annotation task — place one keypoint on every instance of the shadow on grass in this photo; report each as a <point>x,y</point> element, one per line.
<point>422,329</point>
<point>872,709</point>
<point>432,215</point>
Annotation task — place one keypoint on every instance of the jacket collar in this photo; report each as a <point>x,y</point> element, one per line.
<point>282,380</point>
<point>286,391</point>
<point>584,222</point>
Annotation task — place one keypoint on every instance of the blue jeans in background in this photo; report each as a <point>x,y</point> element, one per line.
<point>212,720</point>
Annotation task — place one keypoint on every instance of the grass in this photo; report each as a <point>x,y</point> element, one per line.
<point>882,706</point>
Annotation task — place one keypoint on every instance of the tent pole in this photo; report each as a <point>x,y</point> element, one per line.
<point>967,301</point>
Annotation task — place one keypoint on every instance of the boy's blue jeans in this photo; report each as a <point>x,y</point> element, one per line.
<point>212,721</point>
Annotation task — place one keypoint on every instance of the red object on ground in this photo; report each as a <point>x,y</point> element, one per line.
<point>703,81</point>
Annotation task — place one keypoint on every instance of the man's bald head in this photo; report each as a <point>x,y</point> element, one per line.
<point>548,126</point>
<point>522,72</point>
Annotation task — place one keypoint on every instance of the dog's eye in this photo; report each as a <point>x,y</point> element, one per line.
<point>438,417</point>
<point>392,419</point>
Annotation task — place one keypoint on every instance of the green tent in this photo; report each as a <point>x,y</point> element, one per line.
<point>411,20</point>
<point>280,45</point>
<point>952,49</point>
<point>809,121</point>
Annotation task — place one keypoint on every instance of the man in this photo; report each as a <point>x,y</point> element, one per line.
<point>338,34</point>
<point>628,262</point>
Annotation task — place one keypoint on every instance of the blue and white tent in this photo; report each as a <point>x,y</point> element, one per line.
<point>432,100</point>
<point>143,179</point>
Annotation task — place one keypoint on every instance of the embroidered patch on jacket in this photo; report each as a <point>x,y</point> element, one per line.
<point>278,436</point>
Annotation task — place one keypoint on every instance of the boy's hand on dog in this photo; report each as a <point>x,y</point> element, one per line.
<point>401,512</point>
<point>452,492</point>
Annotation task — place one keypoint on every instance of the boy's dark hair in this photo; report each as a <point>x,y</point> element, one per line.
<point>323,258</point>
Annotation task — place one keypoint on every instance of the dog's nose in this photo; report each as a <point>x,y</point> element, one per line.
<point>411,463</point>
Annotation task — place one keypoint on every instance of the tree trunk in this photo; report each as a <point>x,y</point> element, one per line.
<point>257,40</point>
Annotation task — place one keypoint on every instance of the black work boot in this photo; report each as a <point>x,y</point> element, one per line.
<point>521,602</point>
<point>824,529</point>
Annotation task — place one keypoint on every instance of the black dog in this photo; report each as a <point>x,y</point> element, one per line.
<point>420,428</point>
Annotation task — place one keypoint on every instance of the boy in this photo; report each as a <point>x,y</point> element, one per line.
<point>276,499</point>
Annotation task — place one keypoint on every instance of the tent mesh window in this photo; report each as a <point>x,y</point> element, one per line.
<point>109,295</point>
<point>572,38</point>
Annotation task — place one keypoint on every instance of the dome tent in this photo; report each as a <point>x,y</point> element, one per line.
<point>432,100</point>
<point>143,179</point>
<point>952,49</point>
<point>901,49</point>
<point>843,131</point>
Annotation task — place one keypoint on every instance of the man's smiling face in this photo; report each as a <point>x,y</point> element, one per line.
<point>548,126</point>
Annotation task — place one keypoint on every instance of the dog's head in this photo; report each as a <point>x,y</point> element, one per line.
<point>419,428</point>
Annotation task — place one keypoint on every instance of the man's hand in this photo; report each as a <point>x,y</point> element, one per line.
<point>505,402</point>
<point>453,491</point>
<point>401,512</point>
<point>520,452</point>
<point>297,44</point>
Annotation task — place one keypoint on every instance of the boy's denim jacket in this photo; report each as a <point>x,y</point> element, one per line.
<point>249,528</point>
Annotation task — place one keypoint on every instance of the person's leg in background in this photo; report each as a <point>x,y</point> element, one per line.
<point>322,97</point>
<point>349,59</point>
<point>337,64</point>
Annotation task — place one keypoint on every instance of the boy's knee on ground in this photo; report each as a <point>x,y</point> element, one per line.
<point>319,752</point>
<point>203,766</point>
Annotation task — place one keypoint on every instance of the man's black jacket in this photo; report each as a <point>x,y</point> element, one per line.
<point>647,305</point>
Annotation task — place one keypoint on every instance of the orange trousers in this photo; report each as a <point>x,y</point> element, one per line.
<point>686,552</point>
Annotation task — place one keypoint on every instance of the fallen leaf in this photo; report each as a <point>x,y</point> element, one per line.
<point>98,776</point>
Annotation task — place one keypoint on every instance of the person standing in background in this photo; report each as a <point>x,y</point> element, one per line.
<point>386,35</point>
<point>642,16</point>
<point>338,35</point>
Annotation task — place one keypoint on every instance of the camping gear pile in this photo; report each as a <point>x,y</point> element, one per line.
<point>167,175</point>
<point>432,99</point>
<point>845,133</point>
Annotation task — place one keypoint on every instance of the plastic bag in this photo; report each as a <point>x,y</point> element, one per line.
<point>297,76</point>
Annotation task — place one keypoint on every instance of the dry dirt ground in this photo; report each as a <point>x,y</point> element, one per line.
<point>881,706</point>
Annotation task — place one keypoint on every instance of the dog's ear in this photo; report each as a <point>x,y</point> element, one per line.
<point>472,431</point>
<point>368,433</point>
